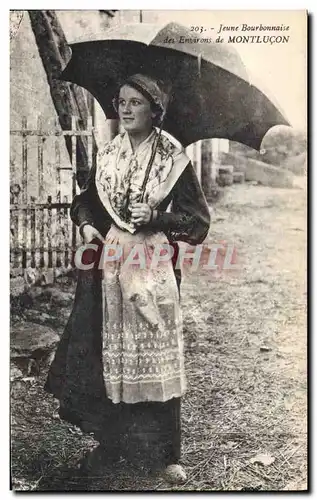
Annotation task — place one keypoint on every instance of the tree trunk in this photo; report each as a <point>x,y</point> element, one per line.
<point>69,99</point>
<point>206,162</point>
<point>209,185</point>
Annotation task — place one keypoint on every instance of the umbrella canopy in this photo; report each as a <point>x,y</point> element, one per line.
<point>211,95</point>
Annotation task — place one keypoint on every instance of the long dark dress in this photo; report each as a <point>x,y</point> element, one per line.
<point>76,374</point>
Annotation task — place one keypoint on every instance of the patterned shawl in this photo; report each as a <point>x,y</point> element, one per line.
<point>120,175</point>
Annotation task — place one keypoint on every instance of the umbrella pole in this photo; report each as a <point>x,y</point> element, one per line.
<point>154,148</point>
<point>149,166</point>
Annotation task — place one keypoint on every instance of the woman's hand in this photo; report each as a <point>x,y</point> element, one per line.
<point>90,233</point>
<point>141,213</point>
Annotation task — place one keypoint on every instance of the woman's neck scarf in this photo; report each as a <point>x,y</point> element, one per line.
<point>120,175</point>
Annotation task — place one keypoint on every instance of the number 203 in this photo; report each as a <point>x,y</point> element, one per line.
<point>197,29</point>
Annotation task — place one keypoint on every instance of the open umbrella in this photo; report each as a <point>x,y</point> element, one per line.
<point>211,95</point>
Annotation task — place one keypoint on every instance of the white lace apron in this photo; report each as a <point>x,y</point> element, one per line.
<point>143,352</point>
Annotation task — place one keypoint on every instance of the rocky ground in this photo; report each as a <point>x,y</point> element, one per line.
<point>244,417</point>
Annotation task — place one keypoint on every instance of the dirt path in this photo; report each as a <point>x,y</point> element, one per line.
<point>246,361</point>
<point>250,343</point>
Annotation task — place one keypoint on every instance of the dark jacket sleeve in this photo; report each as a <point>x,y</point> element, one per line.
<point>189,219</point>
<point>87,208</point>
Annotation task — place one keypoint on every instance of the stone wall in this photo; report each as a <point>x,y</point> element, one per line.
<point>30,97</point>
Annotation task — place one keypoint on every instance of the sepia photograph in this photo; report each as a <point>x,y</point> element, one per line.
<point>158,250</point>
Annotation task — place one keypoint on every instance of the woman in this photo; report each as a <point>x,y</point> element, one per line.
<point>119,368</point>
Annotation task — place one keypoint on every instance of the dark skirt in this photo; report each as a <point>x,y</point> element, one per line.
<point>75,378</point>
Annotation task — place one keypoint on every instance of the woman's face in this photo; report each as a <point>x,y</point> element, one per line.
<point>134,110</point>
